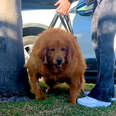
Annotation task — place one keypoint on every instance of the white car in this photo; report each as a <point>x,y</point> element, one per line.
<point>37,16</point>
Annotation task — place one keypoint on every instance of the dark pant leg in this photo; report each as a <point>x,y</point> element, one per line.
<point>103,33</point>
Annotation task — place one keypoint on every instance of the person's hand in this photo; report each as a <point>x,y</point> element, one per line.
<point>63,6</point>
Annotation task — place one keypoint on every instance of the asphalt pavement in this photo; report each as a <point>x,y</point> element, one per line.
<point>38,4</point>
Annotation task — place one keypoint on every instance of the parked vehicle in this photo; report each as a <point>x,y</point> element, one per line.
<point>37,16</point>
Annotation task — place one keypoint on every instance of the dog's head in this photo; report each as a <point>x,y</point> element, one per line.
<point>57,52</point>
<point>56,55</point>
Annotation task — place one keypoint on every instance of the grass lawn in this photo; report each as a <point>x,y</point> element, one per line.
<point>54,105</point>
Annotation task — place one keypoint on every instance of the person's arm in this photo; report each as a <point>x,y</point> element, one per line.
<point>63,6</point>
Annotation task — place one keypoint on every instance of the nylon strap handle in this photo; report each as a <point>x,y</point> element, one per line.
<point>65,20</point>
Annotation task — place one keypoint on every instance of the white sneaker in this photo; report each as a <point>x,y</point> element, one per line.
<point>87,92</point>
<point>92,103</point>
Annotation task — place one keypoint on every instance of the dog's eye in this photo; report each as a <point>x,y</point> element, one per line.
<point>52,49</point>
<point>62,49</point>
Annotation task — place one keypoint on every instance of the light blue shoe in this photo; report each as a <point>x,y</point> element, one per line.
<point>92,103</point>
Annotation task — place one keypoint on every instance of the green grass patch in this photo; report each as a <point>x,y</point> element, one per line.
<point>54,105</point>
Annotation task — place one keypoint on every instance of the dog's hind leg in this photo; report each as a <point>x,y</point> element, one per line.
<point>50,85</point>
<point>35,88</point>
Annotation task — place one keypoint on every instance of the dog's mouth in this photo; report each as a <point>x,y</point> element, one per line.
<point>58,66</point>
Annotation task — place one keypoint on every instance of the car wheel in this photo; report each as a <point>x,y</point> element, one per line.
<point>28,42</point>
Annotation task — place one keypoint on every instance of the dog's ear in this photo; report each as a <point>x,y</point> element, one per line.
<point>68,55</point>
<point>44,55</point>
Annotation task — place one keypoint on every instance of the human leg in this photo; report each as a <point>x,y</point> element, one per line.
<point>105,32</point>
<point>103,37</point>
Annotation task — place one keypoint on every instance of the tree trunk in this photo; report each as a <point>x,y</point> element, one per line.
<point>13,76</point>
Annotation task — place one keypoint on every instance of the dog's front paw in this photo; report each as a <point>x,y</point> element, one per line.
<point>71,101</point>
<point>40,97</point>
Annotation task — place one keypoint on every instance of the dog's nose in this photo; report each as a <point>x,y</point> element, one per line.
<point>59,60</point>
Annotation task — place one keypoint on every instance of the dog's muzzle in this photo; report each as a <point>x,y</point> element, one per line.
<point>59,62</point>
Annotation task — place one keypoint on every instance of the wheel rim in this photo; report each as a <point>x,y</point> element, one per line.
<point>27,50</point>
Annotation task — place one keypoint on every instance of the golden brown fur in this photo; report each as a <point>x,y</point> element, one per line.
<point>56,56</point>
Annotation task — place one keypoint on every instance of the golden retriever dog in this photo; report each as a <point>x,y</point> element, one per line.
<point>56,56</point>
